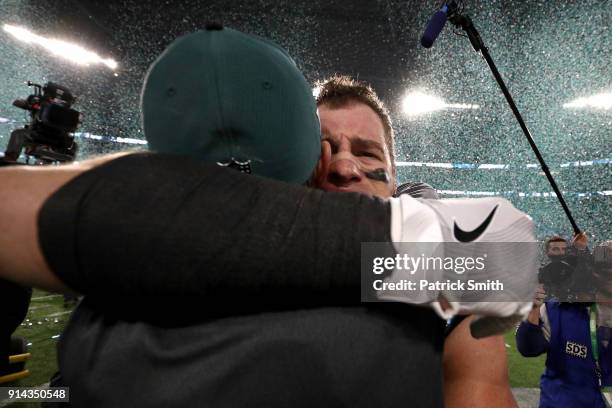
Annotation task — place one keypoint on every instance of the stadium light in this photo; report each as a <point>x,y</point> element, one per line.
<point>599,101</point>
<point>63,49</point>
<point>417,103</point>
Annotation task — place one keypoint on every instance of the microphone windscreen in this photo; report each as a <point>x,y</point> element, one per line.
<point>435,25</point>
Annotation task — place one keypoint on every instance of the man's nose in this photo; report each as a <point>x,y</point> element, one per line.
<point>343,171</point>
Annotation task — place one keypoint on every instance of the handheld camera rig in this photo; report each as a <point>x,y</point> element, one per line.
<point>48,137</point>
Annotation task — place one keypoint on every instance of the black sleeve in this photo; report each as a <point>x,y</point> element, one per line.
<point>160,229</point>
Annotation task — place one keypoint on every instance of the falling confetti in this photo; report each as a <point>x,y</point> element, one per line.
<point>549,54</point>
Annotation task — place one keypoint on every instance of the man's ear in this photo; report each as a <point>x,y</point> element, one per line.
<point>322,167</point>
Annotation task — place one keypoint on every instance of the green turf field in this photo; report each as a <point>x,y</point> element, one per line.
<point>45,321</point>
<point>524,372</point>
<point>47,317</point>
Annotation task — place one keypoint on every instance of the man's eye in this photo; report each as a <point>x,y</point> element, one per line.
<point>369,154</point>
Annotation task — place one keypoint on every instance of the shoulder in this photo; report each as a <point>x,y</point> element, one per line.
<point>463,368</point>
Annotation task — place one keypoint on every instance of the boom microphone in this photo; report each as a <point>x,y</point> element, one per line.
<point>435,26</point>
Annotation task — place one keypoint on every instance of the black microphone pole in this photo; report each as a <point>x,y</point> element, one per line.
<point>466,24</point>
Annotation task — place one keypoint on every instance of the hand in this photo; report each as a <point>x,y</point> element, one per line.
<point>321,170</point>
<point>580,241</point>
<point>539,297</point>
<point>427,229</point>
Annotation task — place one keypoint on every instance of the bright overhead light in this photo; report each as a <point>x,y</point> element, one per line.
<point>66,50</point>
<point>417,103</point>
<point>599,101</point>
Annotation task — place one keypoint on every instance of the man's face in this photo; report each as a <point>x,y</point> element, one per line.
<point>556,248</point>
<point>357,138</point>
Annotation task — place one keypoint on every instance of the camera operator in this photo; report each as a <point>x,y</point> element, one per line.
<point>48,137</point>
<point>575,335</point>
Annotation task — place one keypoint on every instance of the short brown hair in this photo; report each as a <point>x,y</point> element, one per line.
<point>554,238</point>
<point>340,90</point>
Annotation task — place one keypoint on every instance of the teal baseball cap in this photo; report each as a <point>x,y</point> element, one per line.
<point>238,100</point>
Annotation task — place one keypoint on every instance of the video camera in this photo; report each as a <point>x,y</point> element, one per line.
<point>48,137</point>
<point>576,277</point>
<point>570,278</point>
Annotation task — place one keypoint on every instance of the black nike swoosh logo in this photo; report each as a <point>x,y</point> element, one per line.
<point>469,236</point>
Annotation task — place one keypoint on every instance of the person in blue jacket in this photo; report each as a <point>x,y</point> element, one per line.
<point>576,337</point>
